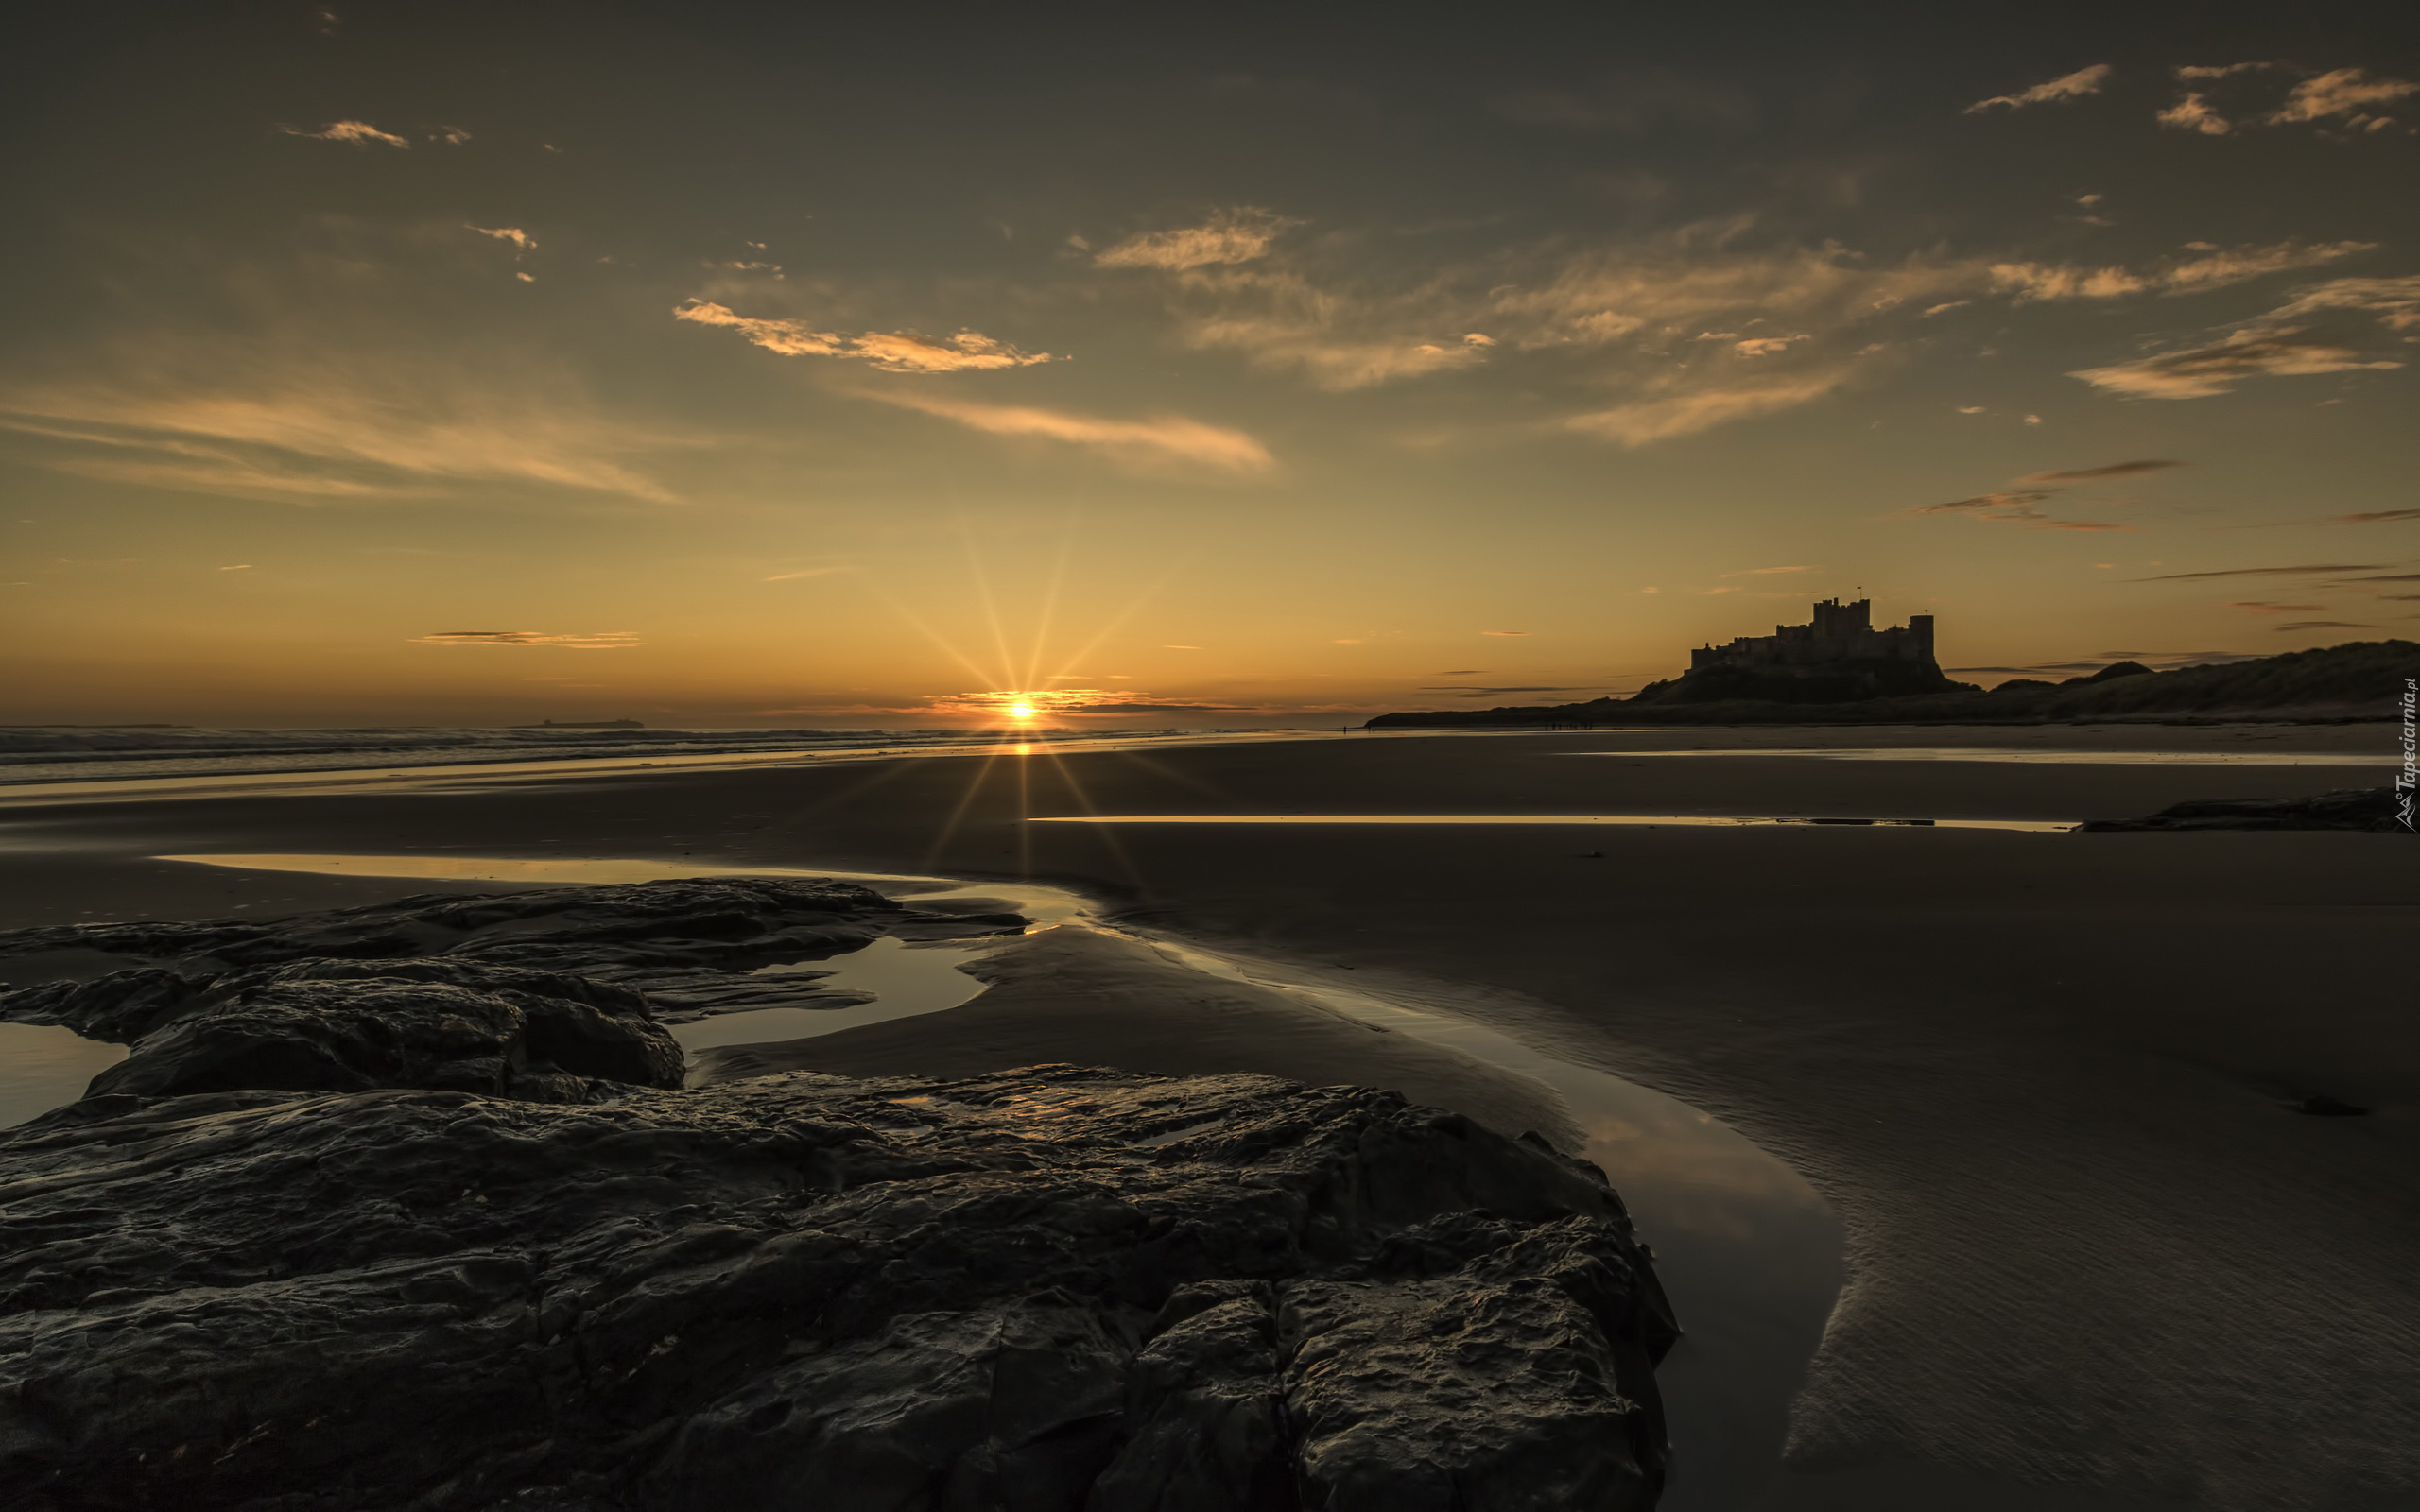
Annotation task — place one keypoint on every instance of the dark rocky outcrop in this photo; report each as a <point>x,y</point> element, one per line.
<point>1049,1289</point>
<point>433,1233</point>
<point>688,944</point>
<point>349,1026</point>
<point>2381,810</point>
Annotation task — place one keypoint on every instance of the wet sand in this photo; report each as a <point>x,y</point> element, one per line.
<point>1096,998</point>
<point>2096,1262</point>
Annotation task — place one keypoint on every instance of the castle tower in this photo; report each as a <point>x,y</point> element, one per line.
<point>1836,621</point>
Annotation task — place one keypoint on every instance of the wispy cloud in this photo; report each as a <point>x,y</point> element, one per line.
<point>893,351</point>
<point>2110,469</point>
<point>601,641</point>
<point>521,239</point>
<point>2194,112</point>
<point>1507,634</point>
<point>2345,92</point>
<point>1294,339</point>
<point>338,433</point>
<point>1657,420</point>
<point>2211,268</point>
<point>2348,98</point>
<point>2396,301</point>
<point>2198,71</point>
<point>337,372</point>
<point>2325,625</point>
<point>1240,234</point>
<point>2322,570</point>
<point>1150,444</point>
<point>807,571</point>
<point>357,133</point>
<point>1635,342</point>
<point>2017,507</point>
<point>2200,372</point>
<point>1645,295</point>
<point>2217,266</point>
<point>2371,517</point>
<point>2263,606</point>
<point>1984,501</point>
<point>2073,86</point>
<point>1763,571</point>
<point>1605,318</point>
<point>2273,344</point>
<point>1334,332</point>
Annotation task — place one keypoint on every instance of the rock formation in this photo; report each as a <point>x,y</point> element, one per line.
<point>434,1232</point>
<point>688,945</point>
<point>2377,809</point>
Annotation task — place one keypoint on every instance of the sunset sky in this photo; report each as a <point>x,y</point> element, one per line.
<point>821,365</point>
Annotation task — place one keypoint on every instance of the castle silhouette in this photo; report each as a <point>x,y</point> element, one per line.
<point>1837,658</point>
<point>1840,632</point>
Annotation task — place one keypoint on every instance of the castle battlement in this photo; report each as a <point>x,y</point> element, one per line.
<point>1839,633</point>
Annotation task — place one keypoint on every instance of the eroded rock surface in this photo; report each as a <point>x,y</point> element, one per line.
<point>367,1230</point>
<point>437,1023</point>
<point>688,945</point>
<point>1056,1288</point>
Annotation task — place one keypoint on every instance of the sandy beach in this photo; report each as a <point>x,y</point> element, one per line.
<point>2094,1260</point>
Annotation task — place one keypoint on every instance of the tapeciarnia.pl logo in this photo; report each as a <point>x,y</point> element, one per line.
<point>2407,779</point>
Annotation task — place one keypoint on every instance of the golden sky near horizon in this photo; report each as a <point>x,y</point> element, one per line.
<point>737,364</point>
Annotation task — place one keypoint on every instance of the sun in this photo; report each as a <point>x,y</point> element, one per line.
<point>1022,710</point>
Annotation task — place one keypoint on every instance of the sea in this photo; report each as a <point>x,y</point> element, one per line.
<point>66,753</point>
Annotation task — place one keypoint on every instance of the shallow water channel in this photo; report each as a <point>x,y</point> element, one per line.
<point>1749,1253</point>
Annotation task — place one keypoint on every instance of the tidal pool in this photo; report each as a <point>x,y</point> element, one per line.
<point>42,1067</point>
